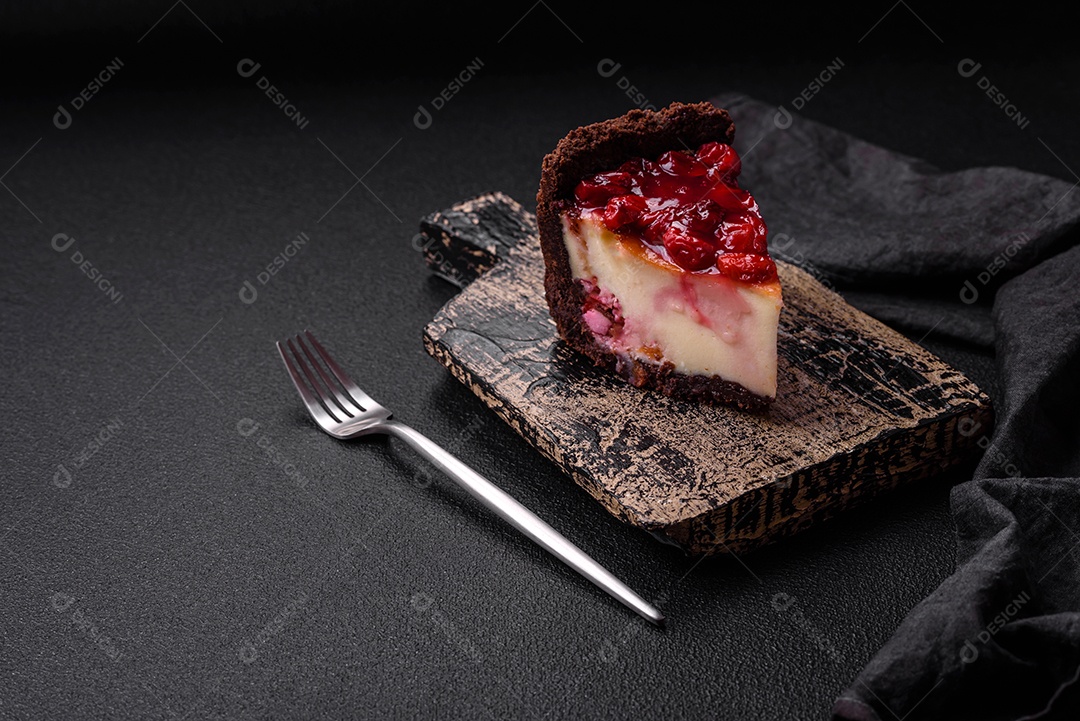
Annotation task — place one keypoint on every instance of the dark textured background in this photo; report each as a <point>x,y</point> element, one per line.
<point>224,588</point>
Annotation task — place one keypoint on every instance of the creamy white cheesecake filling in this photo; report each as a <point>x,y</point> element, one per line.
<point>703,324</point>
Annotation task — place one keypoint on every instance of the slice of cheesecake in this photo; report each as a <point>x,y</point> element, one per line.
<point>656,260</point>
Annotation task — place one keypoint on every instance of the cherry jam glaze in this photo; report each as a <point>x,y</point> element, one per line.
<point>688,207</point>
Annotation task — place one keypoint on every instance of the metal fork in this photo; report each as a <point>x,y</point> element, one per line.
<point>341,409</point>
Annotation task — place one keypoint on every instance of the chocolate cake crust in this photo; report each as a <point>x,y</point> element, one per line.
<point>601,147</point>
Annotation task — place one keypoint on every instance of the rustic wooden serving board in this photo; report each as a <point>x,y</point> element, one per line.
<point>859,410</point>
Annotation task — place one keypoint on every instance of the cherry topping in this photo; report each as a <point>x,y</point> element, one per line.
<point>703,216</point>
<point>688,207</point>
<point>655,221</point>
<point>599,188</point>
<point>746,267</point>
<point>689,251</point>
<point>744,233</point>
<point>722,158</point>
<point>676,162</point>
<point>623,210</point>
<point>733,200</point>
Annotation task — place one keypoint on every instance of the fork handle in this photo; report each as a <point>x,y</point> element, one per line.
<point>523,519</point>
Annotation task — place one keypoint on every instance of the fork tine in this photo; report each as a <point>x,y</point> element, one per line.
<point>312,383</point>
<point>340,399</point>
<point>298,358</point>
<point>353,390</point>
<point>314,405</point>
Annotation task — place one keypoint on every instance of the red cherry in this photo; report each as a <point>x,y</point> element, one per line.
<point>676,162</point>
<point>648,167</point>
<point>688,251</point>
<point>623,210</point>
<point>704,216</point>
<point>655,222</point>
<point>600,187</point>
<point>745,233</point>
<point>749,268</point>
<point>732,200</point>
<point>717,177</point>
<point>722,157</point>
